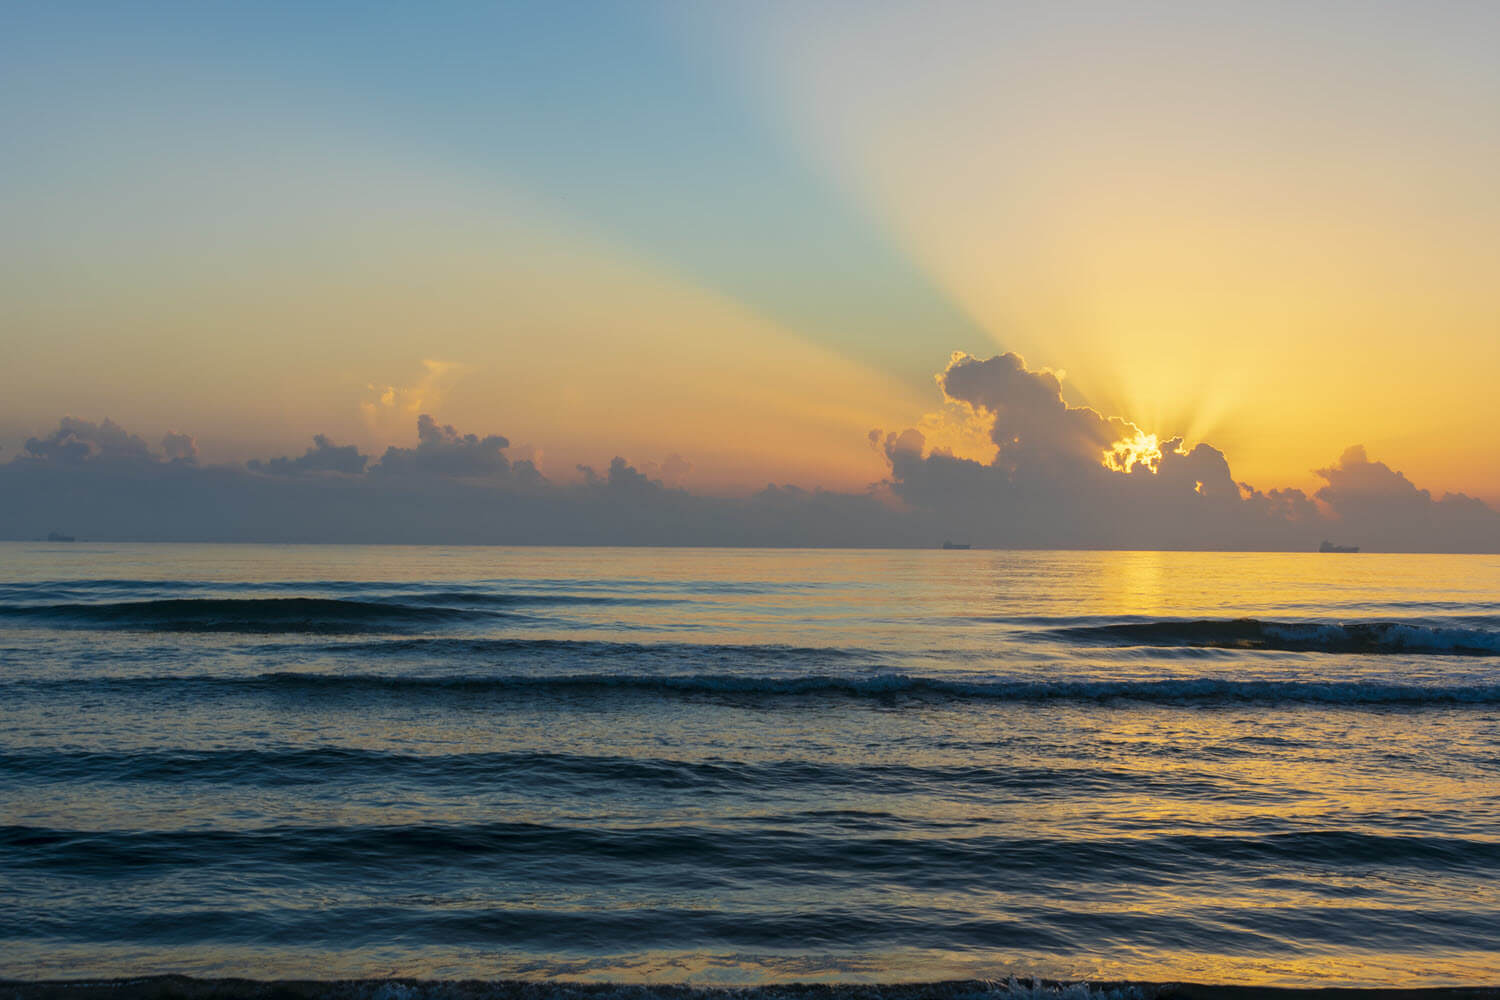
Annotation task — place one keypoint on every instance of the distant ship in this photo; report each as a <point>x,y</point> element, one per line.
<point>57,536</point>
<point>1330,547</point>
<point>955,545</point>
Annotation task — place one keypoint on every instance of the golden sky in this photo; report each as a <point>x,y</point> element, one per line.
<point>748,234</point>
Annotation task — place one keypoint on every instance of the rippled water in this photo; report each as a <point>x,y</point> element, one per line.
<point>748,766</point>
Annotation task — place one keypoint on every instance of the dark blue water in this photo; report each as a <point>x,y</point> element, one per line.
<point>748,766</point>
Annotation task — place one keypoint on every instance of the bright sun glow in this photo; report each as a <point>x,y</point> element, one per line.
<point>1143,451</point>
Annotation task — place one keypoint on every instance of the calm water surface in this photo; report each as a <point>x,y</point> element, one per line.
<point>748,766</point>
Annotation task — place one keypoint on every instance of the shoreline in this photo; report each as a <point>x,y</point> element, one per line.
<point>175,987</point>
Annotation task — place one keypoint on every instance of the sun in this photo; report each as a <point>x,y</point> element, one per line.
<point>1141,451</point>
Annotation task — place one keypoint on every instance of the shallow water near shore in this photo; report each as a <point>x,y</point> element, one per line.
<point>748,766</point>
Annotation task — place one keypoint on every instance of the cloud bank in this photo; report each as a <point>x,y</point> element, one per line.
<point>323,456</point>
<point>1057,476</point>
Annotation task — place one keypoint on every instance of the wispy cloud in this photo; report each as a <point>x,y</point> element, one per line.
<point>389,405</point>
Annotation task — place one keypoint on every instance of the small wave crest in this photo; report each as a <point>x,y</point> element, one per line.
<point>244,614</point>
<point>1326,637</point>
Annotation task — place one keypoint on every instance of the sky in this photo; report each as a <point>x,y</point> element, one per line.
<point>727,241</point>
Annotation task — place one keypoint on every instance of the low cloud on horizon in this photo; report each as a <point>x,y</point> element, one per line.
<point>1054,476</point>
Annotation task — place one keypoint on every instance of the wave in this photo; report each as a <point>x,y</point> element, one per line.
<point>610,773</point>
<point>920,861</point>
<point>369,611</point>
<point>240,614</point>
<point>153,987</point>
<point>1173,691</point>
<point>480,598</point>
<point>1325,637</point>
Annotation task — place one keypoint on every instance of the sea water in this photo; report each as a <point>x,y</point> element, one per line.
<point>748,766</point>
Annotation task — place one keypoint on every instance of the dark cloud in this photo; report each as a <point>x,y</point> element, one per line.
<point>1061,476</point>
<point>323,456</point>
<point>621,477</point>
<point>1033,426</point>
<point>78,440</point>
<point>180,447</point>
<point>443,452</point>
<point>1382,509</point>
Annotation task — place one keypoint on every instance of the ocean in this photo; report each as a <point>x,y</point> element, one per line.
<point>748,767</point>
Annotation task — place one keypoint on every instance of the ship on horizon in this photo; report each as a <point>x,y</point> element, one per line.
<point>1328,546</point>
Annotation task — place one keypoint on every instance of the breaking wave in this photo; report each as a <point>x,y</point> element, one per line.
<point>1324,637</point>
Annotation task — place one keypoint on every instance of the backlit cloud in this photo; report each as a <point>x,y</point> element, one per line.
<point>1069,476</point>
<point>1051,475</point>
